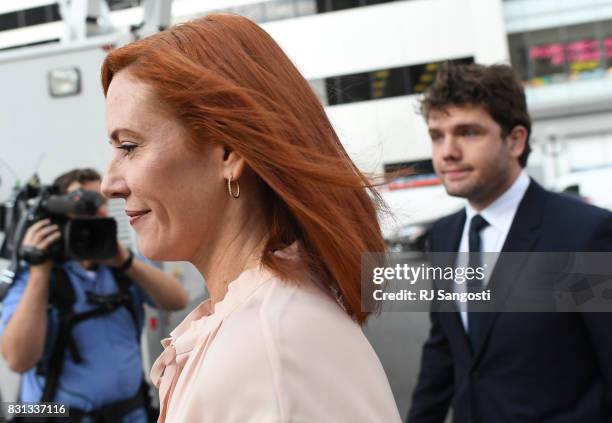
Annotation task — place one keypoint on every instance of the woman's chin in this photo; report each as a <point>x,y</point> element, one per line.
<point>157,252</point>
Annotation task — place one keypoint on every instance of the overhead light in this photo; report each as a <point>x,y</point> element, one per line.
<point>64,82</point>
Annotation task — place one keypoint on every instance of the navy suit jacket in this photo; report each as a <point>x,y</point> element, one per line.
<point>529,367</point>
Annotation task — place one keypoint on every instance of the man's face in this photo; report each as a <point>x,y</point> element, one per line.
<point>90,186</point>
<point>470,155</point>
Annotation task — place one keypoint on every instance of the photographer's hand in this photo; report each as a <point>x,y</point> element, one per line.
<point>24,336</point>
<point>39,236</point>
<point>165,290</point>
<point>119,259</point>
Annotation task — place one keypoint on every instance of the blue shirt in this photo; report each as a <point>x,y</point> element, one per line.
<point>112,364</point>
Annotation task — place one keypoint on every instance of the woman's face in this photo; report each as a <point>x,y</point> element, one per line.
<point>174,196</point>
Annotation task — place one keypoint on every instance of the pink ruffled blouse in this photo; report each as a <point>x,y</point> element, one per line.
<point>271,352</point>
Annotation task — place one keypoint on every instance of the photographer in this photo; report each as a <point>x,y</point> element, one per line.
<point>99,373</point>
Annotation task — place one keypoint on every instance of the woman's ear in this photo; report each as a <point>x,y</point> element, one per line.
<point>233,164</point>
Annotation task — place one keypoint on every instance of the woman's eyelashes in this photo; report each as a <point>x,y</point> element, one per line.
<point>127,147</point>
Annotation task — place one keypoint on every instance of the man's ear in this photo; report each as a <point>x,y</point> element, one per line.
<point>517,140</point>
<point>233,164</point>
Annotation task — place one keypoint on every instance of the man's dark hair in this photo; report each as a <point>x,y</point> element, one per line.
<point>81,176</point>
<point>496,88</point>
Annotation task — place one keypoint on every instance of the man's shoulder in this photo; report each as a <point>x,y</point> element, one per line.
<point>566,206</point>
<point>565,222</point>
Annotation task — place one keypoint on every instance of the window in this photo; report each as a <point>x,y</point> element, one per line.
<point>122,4</point>
<point>348,88</point>
<point>422,76</point>
<point>273,10</point>
<point>382,83</point>
<point>333,5</point>
<point>29,17</point>
<point>518,53</point>
<point>546,53</point>
<point>389,82</point>
<point>560,54</point>
<point>35,16</point>
<point>582,50</point>
<point>36,43</point>
<point>9,21</point>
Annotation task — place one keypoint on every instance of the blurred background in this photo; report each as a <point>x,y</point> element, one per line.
<point>368,61</point>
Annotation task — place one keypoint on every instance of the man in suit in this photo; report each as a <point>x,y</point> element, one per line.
<point>507,367</point>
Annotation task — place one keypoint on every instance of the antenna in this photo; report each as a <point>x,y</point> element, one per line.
<point>38,163</point>
<point>10,169</point>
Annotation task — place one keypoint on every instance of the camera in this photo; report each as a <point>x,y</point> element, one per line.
<point>84,236</point>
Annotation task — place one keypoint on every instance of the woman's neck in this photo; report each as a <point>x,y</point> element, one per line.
<point>226,268</point>
<point>231,255</point>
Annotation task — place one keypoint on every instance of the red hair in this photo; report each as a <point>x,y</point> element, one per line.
<point>229,81</point>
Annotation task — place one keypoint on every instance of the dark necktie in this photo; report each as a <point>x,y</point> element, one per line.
<point>477,224</point>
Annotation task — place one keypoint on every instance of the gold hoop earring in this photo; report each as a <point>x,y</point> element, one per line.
<point>230,190</point>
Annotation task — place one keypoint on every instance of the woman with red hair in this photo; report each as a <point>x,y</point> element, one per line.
<point>226,159</point>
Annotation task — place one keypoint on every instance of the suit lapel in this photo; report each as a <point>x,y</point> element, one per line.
<point>455,229</point>
<point>522,237</point>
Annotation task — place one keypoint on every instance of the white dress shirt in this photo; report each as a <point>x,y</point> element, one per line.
<point>500,214</point>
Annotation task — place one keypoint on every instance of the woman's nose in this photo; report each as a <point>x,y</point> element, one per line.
<point>114,185</point>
